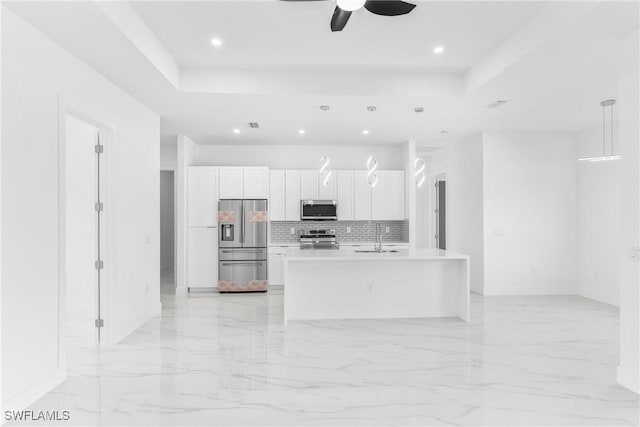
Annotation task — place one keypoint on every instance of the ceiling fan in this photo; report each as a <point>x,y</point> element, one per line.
<point>344,8</point>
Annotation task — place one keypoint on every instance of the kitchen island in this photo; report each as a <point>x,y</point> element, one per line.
<point>352,284</point>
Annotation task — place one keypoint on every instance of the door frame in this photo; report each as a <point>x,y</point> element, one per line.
<point>435,177</point>
<point>172,168</point>
<point>95,116</point>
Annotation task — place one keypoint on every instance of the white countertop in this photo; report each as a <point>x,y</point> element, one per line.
<point>348,254</point>
<point>296,244</point>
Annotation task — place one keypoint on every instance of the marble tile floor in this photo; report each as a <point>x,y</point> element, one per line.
<point>215,359</point>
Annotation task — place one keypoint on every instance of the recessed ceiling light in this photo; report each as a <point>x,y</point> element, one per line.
<point>301,131</point>
<point>216,42</point>
<point>438,50</point>
<point>365,132</point>
<point>236,130</point>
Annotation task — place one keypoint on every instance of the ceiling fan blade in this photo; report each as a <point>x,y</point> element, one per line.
<point>339,19</point>
<point>389,7</point>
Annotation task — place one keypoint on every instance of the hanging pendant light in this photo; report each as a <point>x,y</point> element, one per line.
<point>325,172</point>
<point>372,165</point>
<point>419,175</point>
<point>604,104</point>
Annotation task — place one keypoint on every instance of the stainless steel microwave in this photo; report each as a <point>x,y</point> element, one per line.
<point>318,210</point>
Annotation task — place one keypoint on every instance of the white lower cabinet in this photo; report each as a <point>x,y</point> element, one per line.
<point>202,255</point>
<point>276,266</point>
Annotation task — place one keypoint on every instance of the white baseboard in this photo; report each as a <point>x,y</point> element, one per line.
<point>628,380</point>
<point>600,297</point>
<point>527,291</point>
<point>35,391</point>
<point>123,330</point>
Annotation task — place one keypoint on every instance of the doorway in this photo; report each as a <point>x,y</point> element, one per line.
<point>167,231</point>
<point>440,211</point>
<point>83,232</point>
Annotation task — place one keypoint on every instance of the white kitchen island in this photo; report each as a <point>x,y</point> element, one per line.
<point>346,284</point>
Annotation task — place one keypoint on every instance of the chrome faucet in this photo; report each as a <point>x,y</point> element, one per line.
<point>378,237</point>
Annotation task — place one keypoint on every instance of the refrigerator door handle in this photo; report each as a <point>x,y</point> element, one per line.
<point>242,222</point>
<point>242,263</point>
<point>230,251</point>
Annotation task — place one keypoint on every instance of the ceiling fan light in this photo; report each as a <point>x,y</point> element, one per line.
<point>351,5</point>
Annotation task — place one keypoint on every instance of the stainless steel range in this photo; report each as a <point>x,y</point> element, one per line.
<point>318,239</point>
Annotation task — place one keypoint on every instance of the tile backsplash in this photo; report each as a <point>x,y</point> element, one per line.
<point>361,231</point>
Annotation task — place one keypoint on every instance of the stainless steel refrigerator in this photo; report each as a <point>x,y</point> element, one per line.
<point>242,246</point>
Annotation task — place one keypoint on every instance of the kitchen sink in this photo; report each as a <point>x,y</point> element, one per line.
<point>373,251</point>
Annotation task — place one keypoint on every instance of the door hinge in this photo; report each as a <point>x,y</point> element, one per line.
<point>99,265</point>
<point>99,206</point>
<point>99,323</point>
<point>99,148</point>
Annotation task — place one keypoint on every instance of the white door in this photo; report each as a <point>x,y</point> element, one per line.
<point>255,183</point>
<point>395,197</point>
<point>82,231</point>
<point>202,196</point>
<point>361,196</point>
<point>202,255</point>
<point>309,184</point>
<point>292,195</point>
<point>345,195</point>
<point>230,185</point>
<point>277,195</point>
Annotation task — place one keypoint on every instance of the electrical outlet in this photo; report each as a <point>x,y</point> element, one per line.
<point>386,230</point>
<point>348,229</point>
<point>293,230</point>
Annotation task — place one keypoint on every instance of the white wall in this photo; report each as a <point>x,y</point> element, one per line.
<point>598,221</point>
<point>298,156</point>
<point>530,213</point>
<point>464,193</point>
<point>628,114</point>
<point>167,229</point>
<point>168,155</point>
<point>36,75</point>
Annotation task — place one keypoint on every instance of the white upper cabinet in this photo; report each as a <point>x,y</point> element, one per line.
<point>361,196</point>
<point>202,196</point>
<point>387,197</point>
<point>255,183</point>
<point>292,195</point>
<point>330,192</point>
<point>344,181</point>
<point>277,204</point>
<point>395,195</point>
<point>231,183</point>
<point>379,198</point>
<point>309,184</point>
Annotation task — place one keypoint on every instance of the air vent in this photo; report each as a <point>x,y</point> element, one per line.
<point>254,125</point>
<point>498,103</point>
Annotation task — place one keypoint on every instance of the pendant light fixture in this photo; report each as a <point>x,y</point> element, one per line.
<point>607,103</point>
<point>419,175</point>
<point>372,165</point>
<point>325,172</point>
